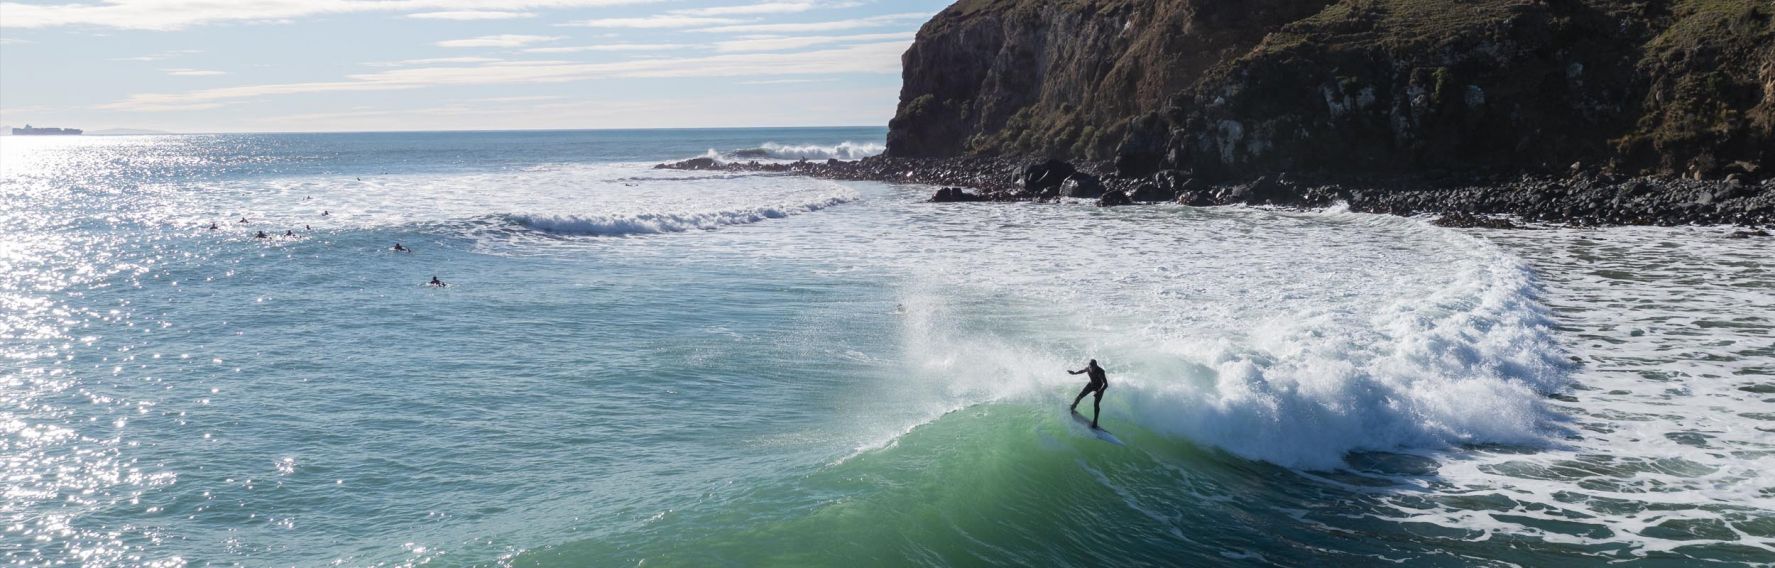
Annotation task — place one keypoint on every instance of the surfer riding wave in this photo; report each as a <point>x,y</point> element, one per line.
<point>1099,382</point>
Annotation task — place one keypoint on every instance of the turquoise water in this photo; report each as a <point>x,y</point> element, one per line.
<point>644,367</point>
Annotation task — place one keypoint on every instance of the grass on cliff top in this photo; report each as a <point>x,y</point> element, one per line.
<point>1391,24</point>
<point>1711,56</point>
<point>1740,24</point>
<point>972,7</point>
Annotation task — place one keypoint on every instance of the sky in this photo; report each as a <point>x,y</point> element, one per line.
<point>367,65</point>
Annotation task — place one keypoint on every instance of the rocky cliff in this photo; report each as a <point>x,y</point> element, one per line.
<point>1226,89</point>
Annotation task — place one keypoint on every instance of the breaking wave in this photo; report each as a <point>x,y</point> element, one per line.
<point>1467,356</point>
<point>669,222</point>
<point>775,151</point>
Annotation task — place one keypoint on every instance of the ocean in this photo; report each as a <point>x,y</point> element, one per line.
<point>641,367</point>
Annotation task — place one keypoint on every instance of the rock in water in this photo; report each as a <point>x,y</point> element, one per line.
<point>1151,193</point>
<point>694,164</point>
<point>1045,176</point>
<point>1082,186</point>
<point>1467,221</point>
<point>1113,199</point>
<point>954,195</point>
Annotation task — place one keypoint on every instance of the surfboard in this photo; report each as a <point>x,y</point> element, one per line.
<point>1099,433</point>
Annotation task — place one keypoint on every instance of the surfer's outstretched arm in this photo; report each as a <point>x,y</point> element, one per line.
<point>1080,371</point>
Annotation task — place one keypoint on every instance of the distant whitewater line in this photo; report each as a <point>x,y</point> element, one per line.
<point>669,222</point>
<point>774,151</point>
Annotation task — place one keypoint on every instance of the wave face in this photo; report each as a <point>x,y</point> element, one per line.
<point>1304,374</point>
<point>775,151</point>
<point>669,222</point>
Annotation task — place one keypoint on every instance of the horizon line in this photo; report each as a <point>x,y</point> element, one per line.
<point>8,134</point>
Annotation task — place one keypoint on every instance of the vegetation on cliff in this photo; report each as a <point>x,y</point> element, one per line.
<point>1229,88</point>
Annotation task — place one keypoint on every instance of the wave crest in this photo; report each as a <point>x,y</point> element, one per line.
<point>669,222</point>
<point>774,151</point>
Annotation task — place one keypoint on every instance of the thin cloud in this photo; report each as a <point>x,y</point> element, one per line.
<point>612,47</point>
<point>781,43</point>
<point>502,40</point>
<point>432,61</point>
<point>660,21</point>
<point>873,58</point>
<point>163,15</point>
<point>750,9</point>
<point>161,56</point>
<point>468,15</point>
<point>182,72</point>
<point>169,106</point>
<point>786,81</point>
<point>830,26</point>
<point>521,99</point>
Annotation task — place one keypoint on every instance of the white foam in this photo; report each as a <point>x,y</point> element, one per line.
<point>774,151</point>
<point>670,222</point>
<point>599,199</point>
<point>1299,338</point>
<point>1285,337</point>
<point>1466,363</point>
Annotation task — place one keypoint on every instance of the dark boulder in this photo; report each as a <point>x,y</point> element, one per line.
<point>693,164</point>
<point>1747,234</point>
<point>1151,193</point>
<point>1229,194</point>
<point>1276,190</point>
<point>1142,151</point>
<point>1114,198</point>
<point>1044,176</point>
<point>1733,189</point>
<point>1195,198</point>
<point>1170,180</point>
<point>954,195</point>
<point>1082,185</point>
<point>1470,221</point>
<point>1187,190</point>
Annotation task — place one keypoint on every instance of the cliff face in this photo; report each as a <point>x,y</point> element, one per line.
<point>1245,87</point>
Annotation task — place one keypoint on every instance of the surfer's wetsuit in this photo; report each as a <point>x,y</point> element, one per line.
<point>1099,381</point>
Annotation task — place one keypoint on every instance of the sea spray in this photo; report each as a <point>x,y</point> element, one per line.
<point>1470,363</point>
<point>1464,355</point>
<point>774,151</point>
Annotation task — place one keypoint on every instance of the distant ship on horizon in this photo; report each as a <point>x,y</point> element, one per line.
<point>28,130</point>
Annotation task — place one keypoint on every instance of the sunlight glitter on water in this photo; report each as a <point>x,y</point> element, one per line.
<point>629,359</point>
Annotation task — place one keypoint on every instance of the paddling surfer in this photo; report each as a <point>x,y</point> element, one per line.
<point>1099,381</point>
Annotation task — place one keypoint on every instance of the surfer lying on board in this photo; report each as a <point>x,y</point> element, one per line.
<point>1098,382</point>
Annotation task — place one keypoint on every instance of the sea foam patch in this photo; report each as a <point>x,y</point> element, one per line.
<point>672,222</point>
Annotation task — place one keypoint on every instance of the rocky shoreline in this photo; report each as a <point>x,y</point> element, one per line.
<point>1583,198</point>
